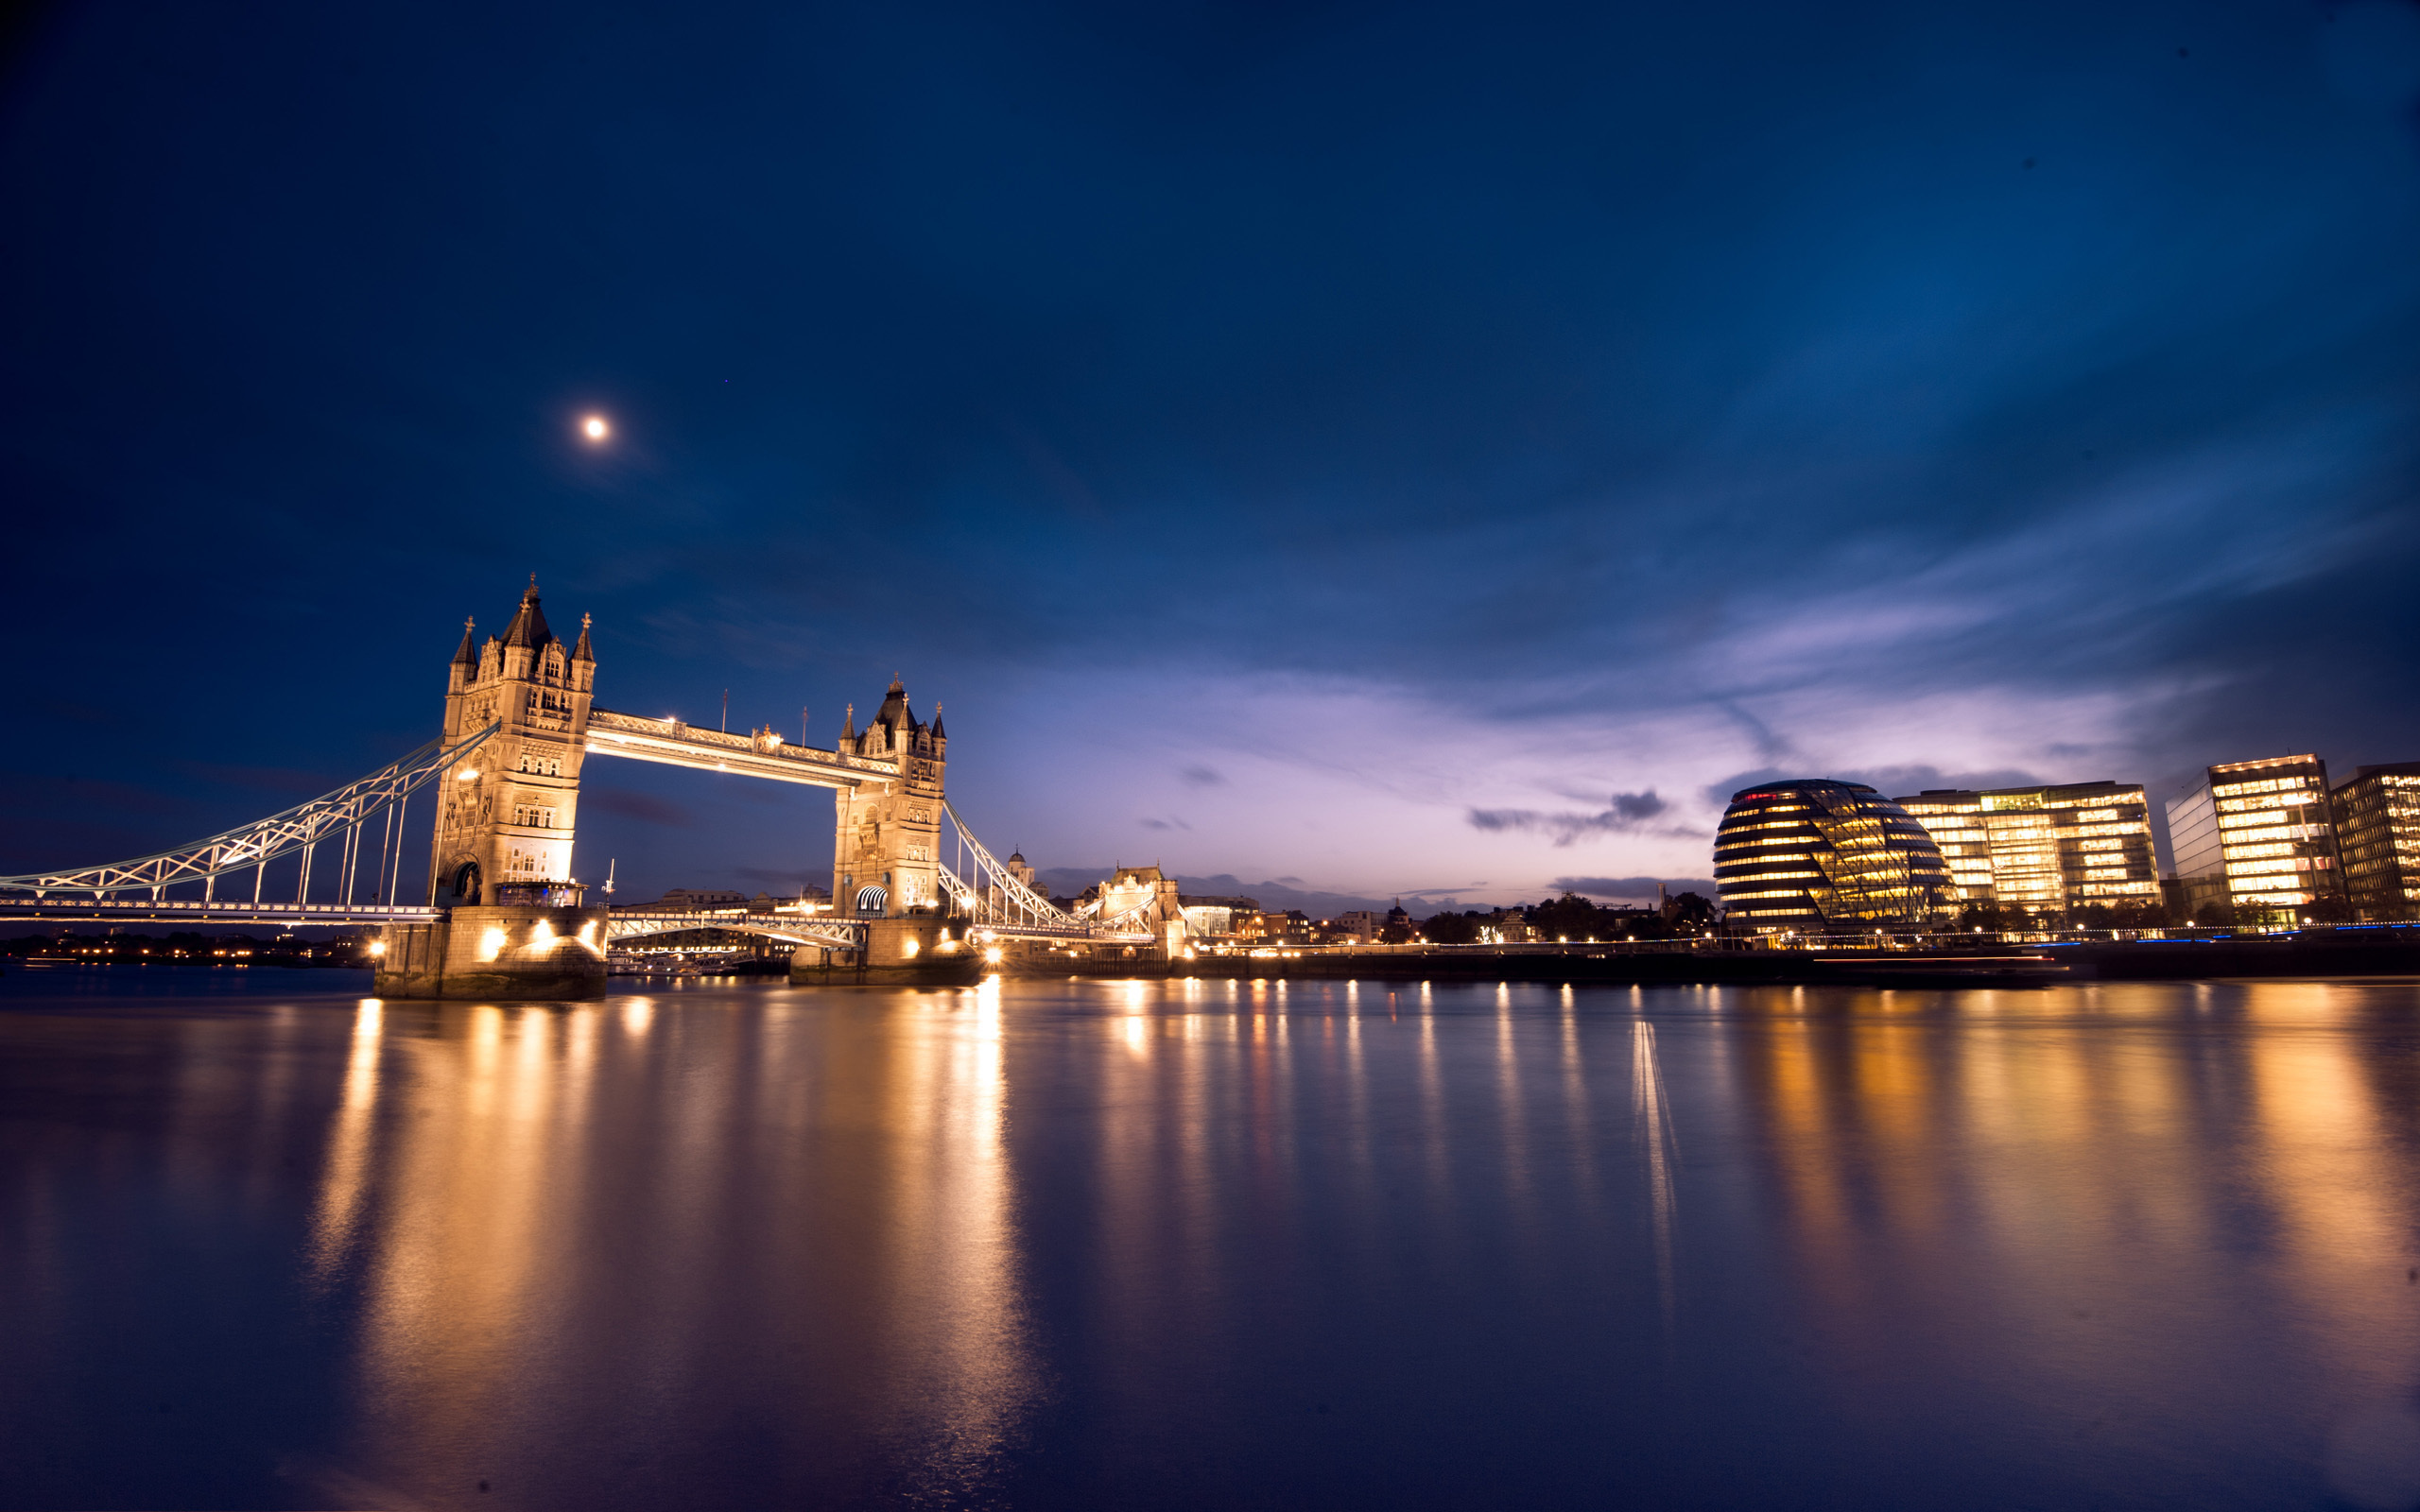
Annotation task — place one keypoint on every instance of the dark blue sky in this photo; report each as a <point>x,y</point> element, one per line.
<point>1396,448</point>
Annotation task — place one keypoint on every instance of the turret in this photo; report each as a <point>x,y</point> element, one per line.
<point>584,659</point>
<point>466,661</point>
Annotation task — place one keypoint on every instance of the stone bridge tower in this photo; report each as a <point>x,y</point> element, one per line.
<point>886,846</point>
<point>509,817</point>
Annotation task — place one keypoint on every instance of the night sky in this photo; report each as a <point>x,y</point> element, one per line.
<point>1395,449</point>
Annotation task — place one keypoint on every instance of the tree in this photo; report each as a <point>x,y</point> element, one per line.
<point>2328,910</point>
<point>1451,929</point>
<point>1690,911</point>
<point>1569,916</point>
<point>2139,913</point>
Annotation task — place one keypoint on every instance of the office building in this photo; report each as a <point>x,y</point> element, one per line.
<point>1818,855</point>
<point>2049,850</point>
<point>2376,813</point>
<point>2261,835</point>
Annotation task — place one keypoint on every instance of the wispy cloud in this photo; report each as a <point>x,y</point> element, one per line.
<point>1632,887</point>
<point>1629,814</point>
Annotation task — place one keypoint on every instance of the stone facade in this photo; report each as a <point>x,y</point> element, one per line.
<point>500,857</point>
<point>886,836</point>
<point>510,819</point>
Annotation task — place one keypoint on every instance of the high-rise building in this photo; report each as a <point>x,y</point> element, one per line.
<point>2263,831</point>
<point>2050,849</point>
<point>2376,812</point>
<point>1817,854</point>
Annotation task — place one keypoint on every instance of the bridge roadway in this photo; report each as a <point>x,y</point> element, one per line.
<point>190,913</point>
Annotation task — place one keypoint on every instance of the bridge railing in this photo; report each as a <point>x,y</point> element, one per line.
<point>796,929</point>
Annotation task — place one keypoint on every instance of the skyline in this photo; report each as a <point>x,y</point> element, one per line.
<point>1412,454</point>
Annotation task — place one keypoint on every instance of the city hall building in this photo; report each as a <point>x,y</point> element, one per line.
<point>1816,856</point>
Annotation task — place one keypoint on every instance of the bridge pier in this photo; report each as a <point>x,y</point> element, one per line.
<point>509,952</point>
<point>910,952</point>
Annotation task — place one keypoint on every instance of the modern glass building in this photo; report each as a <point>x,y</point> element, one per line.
<point>2378,837</point>
<point>2265,829</point>
<point>2051,850</point>
<point>1817,854</point>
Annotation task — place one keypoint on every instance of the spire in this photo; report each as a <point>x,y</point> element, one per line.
<point>528,628</point>
<point>894,711</point>
<point>583,652</point>
<point>939,734</point>
<point>849,726</point>
<point>467,654</point>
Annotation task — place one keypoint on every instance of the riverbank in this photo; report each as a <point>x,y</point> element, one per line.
<point>2333,954</point>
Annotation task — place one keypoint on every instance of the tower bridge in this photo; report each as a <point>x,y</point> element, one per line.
<point>915,895</point>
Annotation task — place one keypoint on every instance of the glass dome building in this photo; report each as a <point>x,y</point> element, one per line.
<point>1818,854</point>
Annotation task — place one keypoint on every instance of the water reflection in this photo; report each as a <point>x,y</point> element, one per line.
<point>1659,1145</point>
<point>1213,1243</point>
<point>345,1168</point>
<point>765,1214</point>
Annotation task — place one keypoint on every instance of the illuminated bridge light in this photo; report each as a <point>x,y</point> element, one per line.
<point>1818,854</point>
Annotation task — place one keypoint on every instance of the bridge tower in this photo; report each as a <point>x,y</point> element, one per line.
<point>886,846</point>
<point>510,820</point>
<point>500,859</point>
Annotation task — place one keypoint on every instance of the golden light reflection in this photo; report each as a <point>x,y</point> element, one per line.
<point>1659,1144</point>
<point>345,1171</point>
<point>567,1205</point>
<point>2104,1185</point>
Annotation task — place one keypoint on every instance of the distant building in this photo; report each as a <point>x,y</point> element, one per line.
<point>1818,854</point>
<point>2376,812</point>
<point>1361,923</point>
<point>1211,916</point>
<point>1209,921</point>
<point>1292,927</point>
<point>1506,926</point>
<point>1233,904</point>
<point>690,899</point>
<point>2051,850</point>
<point>2262,829</point>
<point>1020,869</point>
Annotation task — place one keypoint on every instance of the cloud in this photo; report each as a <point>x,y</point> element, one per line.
<point>643,807</point>
<point>1628,815</point>
<point>1634,888</point>
<point>1199,776</point>
<point>1164,824</point>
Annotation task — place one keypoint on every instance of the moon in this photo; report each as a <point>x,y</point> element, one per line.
<point>594,428</point>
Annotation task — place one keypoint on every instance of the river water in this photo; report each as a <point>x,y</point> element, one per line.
<point>266,1242</point>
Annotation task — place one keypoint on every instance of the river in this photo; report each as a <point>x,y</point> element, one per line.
<point>264,1242</point>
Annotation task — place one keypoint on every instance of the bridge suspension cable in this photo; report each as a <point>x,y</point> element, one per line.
<point>995,897</point>
<point>301,828</point>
